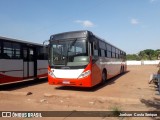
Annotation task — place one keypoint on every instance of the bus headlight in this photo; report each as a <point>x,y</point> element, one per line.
<point>85,74</point>
<point>51,74</point>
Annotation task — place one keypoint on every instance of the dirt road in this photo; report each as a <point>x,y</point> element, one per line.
<point>127,92</point>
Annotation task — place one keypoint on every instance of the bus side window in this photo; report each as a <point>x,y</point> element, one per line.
<point>11,50</point>
<point>109,49</point>
<point>0,47</point>
<point>102,53</point>
<point>95,49</point>
<point>25,54</point>
<point>1,55</point>
<point>7,50</point>
<point>16,51</point>
<point>42,53</point>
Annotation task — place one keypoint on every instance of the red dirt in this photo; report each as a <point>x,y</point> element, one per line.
<point>129,91</point>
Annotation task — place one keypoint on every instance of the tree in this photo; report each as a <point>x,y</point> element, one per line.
<point>158,53</point>
<point>142,55</point>
<point>147,54</point>
<point>150,53</point>
<point>132,57</point>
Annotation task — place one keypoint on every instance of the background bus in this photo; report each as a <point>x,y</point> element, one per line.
<point>80,58</point>
<point>21,61</point>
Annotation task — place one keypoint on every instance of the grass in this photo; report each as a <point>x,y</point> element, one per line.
<point>116,111</point>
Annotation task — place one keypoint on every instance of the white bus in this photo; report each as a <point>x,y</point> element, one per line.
<point>21,61</point>
<point>80,58</point>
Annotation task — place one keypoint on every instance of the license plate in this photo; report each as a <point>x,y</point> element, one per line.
<point>66,82</point>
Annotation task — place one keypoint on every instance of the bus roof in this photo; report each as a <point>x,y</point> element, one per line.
<point>19,41</point>
<point>71,34</point>
<point>80,33</point>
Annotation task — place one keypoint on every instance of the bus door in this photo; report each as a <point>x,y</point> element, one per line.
<point>29,64</point>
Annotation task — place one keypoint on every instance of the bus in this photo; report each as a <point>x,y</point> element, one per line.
<point>21,61</point>
<point>80,58</point>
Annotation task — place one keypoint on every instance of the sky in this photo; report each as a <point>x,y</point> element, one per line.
<point>131,25</point>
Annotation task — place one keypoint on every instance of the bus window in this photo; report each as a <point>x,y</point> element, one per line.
<point>117,50</point>
<point>108,54</point>
<point>31,54</point>
<point>24,54</point>
<point>15,50</point>
<point>67,52</point>
<point>95,52</point>
<point>113,49</point>
<point>95,48</point>
<point>0,47</point>
<point>102,45</point>
<point>11,50</point>
<point>102,53</point>
<point>1,55</point>
<point>8,50</point>
<point>79,50</point>
<point>113,55</point>
<point>109,47</point>
<point>43,54</point>
<point>105,53</point>
<point>117,56</point>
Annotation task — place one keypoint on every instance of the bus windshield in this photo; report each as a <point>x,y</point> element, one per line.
<point>69,52</point>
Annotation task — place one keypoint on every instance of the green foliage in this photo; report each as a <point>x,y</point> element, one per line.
<point>147,54</point>
<point>142,55</point>
<point>132,57</point>
<point>116,111</point>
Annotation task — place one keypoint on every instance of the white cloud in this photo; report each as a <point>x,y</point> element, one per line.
<point>85,23</point>
<point>134,21</point>
<point>153,1</point>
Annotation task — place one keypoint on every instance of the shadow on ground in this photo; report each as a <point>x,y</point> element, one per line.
<point>154,105</point>
<point>95,88</point>
<point>15,86</point>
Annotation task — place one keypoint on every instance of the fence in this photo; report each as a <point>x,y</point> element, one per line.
<point>145,62</point>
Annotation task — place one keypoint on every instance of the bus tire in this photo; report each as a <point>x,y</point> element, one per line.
<point>104,76</point>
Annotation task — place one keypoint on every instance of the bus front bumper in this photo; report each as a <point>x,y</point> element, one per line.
<point>81,82</point>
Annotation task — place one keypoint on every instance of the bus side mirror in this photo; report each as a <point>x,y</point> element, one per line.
<point>45,42</point>
<point>45,49</point>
